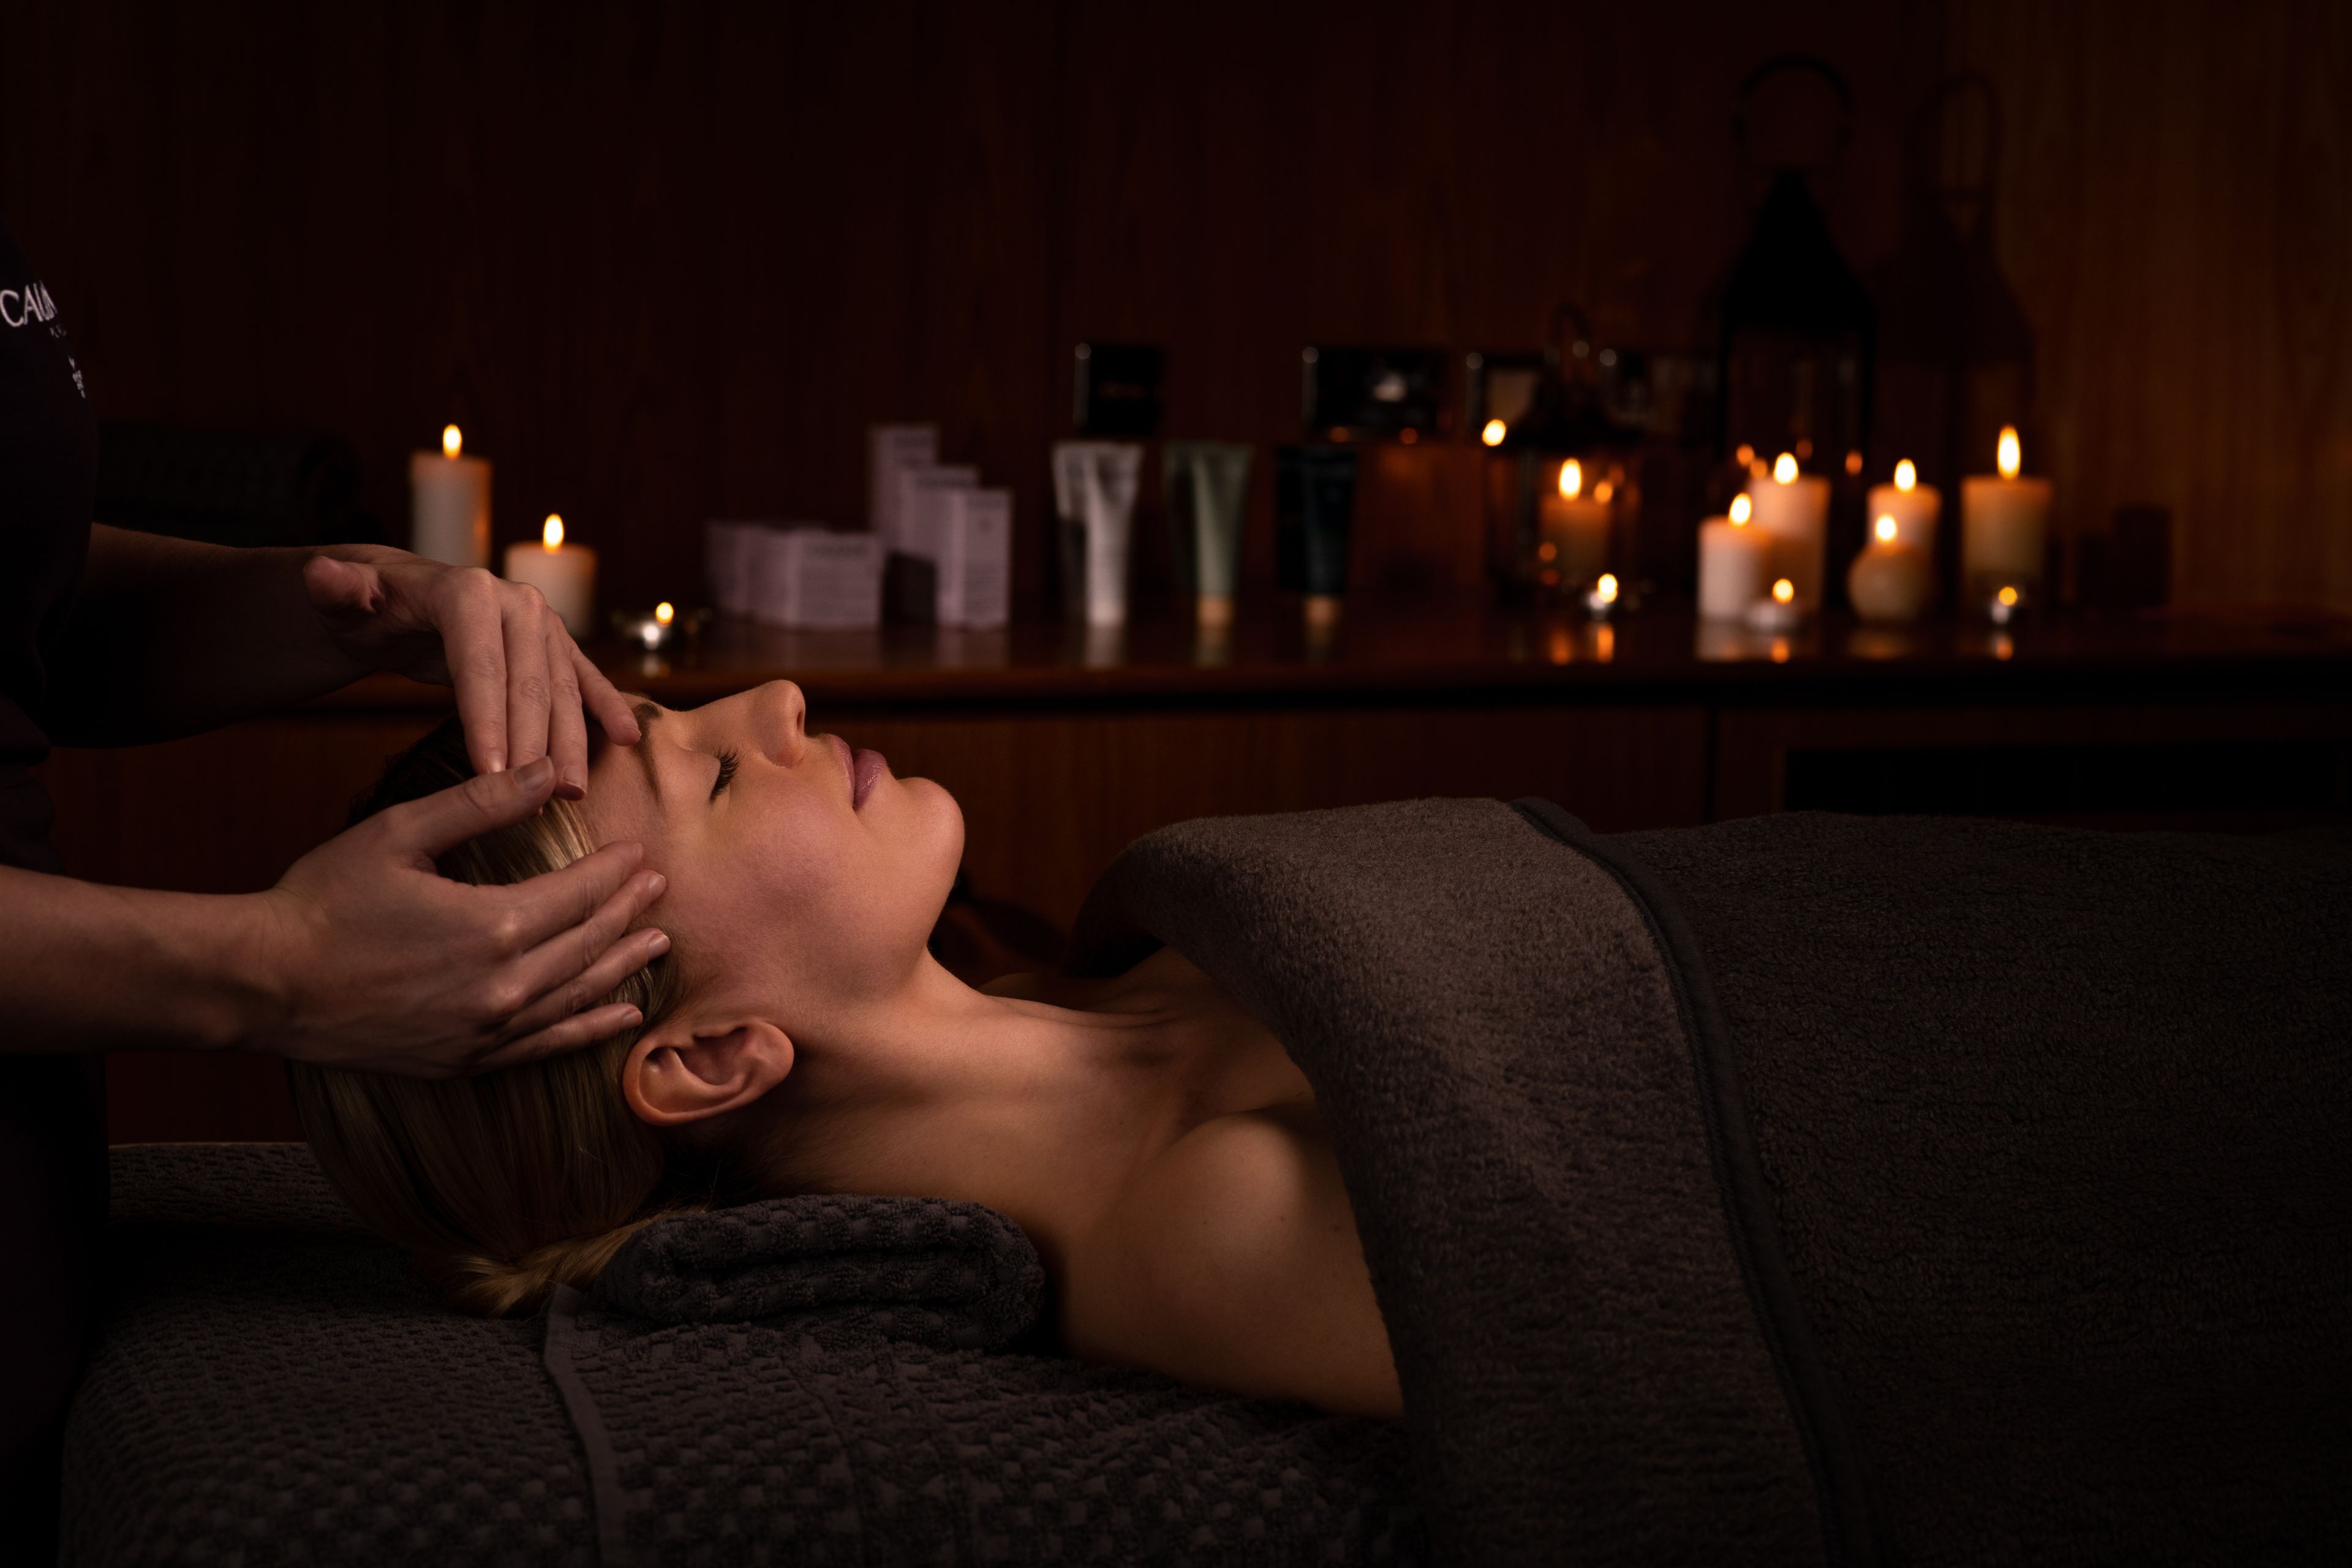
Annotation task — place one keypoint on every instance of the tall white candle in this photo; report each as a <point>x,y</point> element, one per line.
<point>1913,506</point>
<point>1734,562</point>
<point>565,575</point>
<point>1794,509</point>
<point>1576,526</point>
<point>2004,525</point>
<point>449,504</point>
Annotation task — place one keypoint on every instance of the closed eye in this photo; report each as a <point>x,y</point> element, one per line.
<point>727,760</point>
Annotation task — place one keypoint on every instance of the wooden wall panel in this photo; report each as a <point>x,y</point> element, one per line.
<point>2175,211</point>
<point>665,263</point>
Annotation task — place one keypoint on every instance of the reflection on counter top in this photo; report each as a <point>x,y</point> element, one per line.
<point>1465,647</point>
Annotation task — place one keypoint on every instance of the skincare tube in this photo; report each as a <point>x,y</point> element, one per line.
<point>1314,497</point>
<point>1208,495</point>
<point>1100,478</point>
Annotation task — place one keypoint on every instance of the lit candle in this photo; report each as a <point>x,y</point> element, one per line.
<point>2004,525</point>
<point>1794,509</point>
<point>565,575</point>
<point>1889,581</point>
<point>1575,527</point>
<point>1913,506</point>
<point>1734,558</point>
<point>1779,613</point>
<point>449,503</point>
<point>1603,597</point>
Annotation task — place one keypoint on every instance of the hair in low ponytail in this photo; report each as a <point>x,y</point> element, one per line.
<point>504,1186</point>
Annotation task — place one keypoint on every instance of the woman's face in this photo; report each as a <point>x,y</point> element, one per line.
<point>803,876</point>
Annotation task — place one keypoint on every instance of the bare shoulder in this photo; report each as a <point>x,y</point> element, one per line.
<point>1232,1261</point>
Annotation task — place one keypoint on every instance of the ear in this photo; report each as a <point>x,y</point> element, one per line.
<point>683,1071</point>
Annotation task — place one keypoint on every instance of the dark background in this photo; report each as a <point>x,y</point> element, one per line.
<point>666,263</point>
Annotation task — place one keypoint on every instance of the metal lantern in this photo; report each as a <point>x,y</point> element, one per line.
<point>1558,489</point>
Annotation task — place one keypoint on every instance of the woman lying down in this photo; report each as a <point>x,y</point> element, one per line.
<point>1159,1149</point>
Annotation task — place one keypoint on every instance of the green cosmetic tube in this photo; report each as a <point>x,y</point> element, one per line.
<point>1208,497</point>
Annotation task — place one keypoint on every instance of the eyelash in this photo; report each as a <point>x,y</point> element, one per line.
<point>727,760</point>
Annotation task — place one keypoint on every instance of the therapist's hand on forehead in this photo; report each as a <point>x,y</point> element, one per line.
<point>363,957</point>
<point>416,972</point>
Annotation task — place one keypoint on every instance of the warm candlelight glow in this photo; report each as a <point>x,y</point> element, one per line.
<point>1887,529</point>
<point>663,614</point>
<point>552,536</point>
<point>2013,461</point>
<point>1606,589</point>
<point>1494,433</point>
<point>1742,508</point>
<point>1746,454</point>
<point>1571,479</point>
<point>1603,491</point>
<point>2008,598</point>
<point>1784,468</point>
<point>1853,462</point>
<point>1783,590</point>
<point>453,441</point>
<point>1906,475</point>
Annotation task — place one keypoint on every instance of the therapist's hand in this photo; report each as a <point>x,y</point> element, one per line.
<point>522,686</point>
<point>373,961</point>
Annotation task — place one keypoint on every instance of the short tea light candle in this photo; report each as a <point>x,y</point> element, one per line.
<point>564,574</point>
<point>1734,563</point>
<point>1913,506</point>
<point>1575,527</point>
<point>652,633</point>
<point>1603,597</point>
<point>2004,524</point>
<point>1889,581</point>
<point>449,503</point>
<point>1794,509</point>
<point>1779,613</point>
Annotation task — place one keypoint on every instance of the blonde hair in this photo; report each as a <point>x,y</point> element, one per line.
<point>504,1186</point>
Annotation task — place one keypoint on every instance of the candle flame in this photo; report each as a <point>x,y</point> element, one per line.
<point>1783,590</point>
<point>1906,475</point>
<point>1494,433</point>
<point>552,536</point>
<point>1853,462</point>
<point>2012,460</point>
<point>1606,589</point>
<point>1571,479</point>
<point>453,440</point>
<point>1784,468</point>
<point>1742,508</point>
<point>1603,491</point>
<point>2008,598</point>
<point>1887,529</point>
<point>1746,454</point>
<point>663,614</point>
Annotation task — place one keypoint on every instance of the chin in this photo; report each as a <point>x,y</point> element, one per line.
<point>941,826</point>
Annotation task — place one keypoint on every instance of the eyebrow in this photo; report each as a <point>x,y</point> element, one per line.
<point>646,713</point>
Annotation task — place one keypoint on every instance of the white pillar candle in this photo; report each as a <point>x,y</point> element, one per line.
<point>1889,581</point>
<point>1794,509</point>
<point>1575,527</point>
<point>449,504</point>
<point>1734,563</point>
<point>2004,525</point>
<point>564,574</point>
<point>1913,506</point>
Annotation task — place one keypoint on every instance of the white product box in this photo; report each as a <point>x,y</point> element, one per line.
<point>815,579</point>
<point>923,489</point>
<point>974,553</point>
<point>888,449</point>
<point>728,549</point>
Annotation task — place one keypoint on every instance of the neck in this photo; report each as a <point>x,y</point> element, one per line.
<point>940,1090</point>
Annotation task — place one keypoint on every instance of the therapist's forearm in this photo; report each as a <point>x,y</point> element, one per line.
<point>91,967</point>
<point>168,637</point>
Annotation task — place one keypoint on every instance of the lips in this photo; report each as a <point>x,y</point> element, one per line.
<point>871,768</point>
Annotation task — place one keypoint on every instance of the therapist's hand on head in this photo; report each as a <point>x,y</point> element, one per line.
<point>523,688</point>
<point>375,962</point>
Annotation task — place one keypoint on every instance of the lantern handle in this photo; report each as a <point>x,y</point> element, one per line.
<point>1775,66</point>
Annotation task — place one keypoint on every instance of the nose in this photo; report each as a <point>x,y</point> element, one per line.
<point>783,721</point>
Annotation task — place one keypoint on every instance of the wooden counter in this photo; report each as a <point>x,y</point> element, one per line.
<point>1062,746</point>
